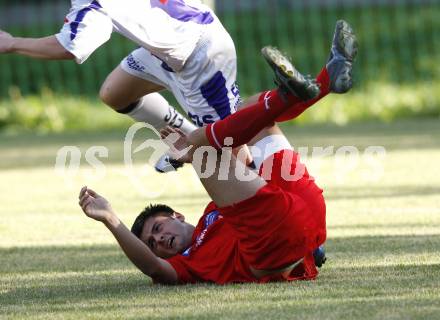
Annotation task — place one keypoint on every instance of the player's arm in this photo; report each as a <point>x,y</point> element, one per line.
<point>41,48</point>
<point>98,208</point>
<point>82,33</point>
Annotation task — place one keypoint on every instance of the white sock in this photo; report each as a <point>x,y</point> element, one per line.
<point>155,110</point>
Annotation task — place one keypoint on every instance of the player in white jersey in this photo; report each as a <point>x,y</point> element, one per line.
<point>183,48</point>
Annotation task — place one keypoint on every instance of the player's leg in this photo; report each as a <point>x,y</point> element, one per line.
<point>255,208</point>
<point>131,89</point>
<point>121,89</point>
<point>137,97</point>
<point>242,126</point>
<point>270,141</point>
<point>249,203</point>
<point>206,87</point>
<point>336,75</point>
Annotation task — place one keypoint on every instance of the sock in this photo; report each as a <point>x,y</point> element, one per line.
<point>293,112</point>
<point>243,125</point>
<point>155,110</point>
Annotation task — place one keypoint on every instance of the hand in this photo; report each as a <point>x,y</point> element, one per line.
<point>95,206</point>
<point>6,41</point>
<point>178,142</point>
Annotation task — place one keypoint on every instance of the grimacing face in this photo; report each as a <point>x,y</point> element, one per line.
<point>166,235</point>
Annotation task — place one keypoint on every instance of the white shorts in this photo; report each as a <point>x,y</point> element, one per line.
<point>205,87</point>
<point>268,146</point>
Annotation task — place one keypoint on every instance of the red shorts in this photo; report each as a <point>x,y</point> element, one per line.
<point>284,221</point>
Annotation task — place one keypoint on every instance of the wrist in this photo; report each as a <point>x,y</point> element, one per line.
<point>14,46</point>
<point>111,220</point>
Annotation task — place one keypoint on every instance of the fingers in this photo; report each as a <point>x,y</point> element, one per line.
<point>82,192</point>
<point>86,190</point>
<point>165,132</point>
<point>183,134</point>
<point>176,131</point>
<point>92,193</point>
<point>85,202</point>
<point>84,198</point>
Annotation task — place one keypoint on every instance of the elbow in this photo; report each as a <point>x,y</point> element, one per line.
<point>66,55</point>
<point>56,49</point>
<point>152,271</point>
<point>158,275</point>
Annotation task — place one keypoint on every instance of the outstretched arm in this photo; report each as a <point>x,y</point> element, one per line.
<point>98,208</point>
<point>41,48</point>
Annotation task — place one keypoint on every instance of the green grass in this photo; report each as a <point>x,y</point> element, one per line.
<point>383,235</point>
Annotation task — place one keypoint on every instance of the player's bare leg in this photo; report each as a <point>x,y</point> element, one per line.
<point>242,126</point>
<point>222,184</point>
<point>121,89</point>
<point>229,189</point>
<point>247,123</point>
<point>140,100</point>
<point>122,92</point>
<point>335,77</point>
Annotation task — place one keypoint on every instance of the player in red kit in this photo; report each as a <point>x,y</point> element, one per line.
<point>260,226</point>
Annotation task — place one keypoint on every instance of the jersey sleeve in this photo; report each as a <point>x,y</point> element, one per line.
<point>84,31</point>
<point>182,269</point>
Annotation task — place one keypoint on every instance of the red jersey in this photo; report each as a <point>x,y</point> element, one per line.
<point>282,223</point>
<point>214,255</point>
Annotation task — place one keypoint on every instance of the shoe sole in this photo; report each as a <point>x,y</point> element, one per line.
<point>286,75</point>
<point>278,61</point>
<point>343,52</point>
<point>345,40</point>
<point>171,165</point>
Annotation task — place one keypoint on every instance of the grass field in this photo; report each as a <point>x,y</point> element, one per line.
<point>383,244</point>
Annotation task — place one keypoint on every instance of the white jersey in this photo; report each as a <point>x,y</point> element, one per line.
<point>169,29</point>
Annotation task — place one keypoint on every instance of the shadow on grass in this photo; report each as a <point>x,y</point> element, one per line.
<point>371,192</point>
<point>48,259</point>
<point>378,247</point>
<point>71,274</point>
<point>97,258</point>
<point>128,293</point>
<point>376,226</point>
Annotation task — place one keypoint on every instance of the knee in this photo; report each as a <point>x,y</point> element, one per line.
<point>251,101</point>
<point>106,96</point>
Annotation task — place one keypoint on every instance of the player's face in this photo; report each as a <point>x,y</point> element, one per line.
<point>165,235</point>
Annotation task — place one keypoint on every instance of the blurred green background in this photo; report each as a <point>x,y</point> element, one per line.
<point>397,72</point>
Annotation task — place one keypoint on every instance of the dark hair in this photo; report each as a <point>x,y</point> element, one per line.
<point>151,211</point>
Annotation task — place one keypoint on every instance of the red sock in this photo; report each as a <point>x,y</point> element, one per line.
<point>243,125</point>
<point>293,112</point>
